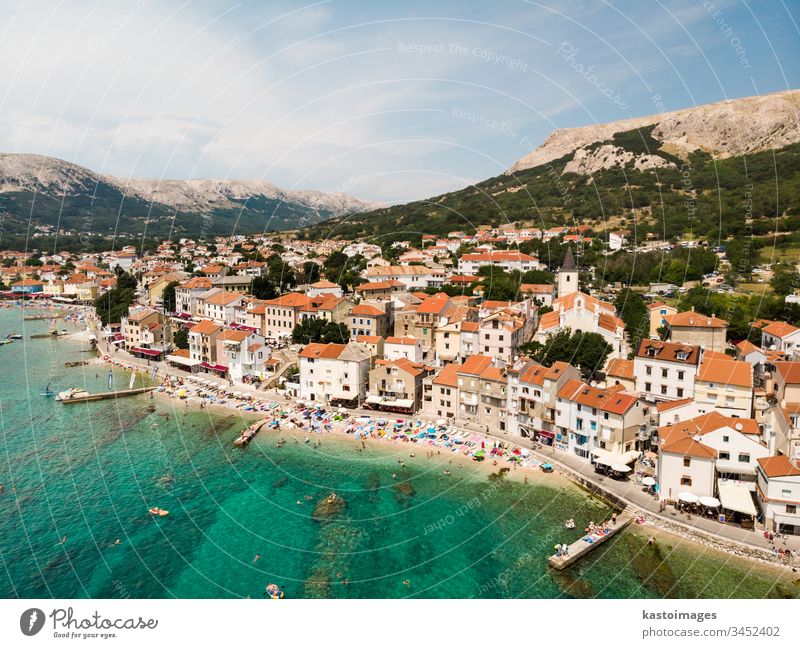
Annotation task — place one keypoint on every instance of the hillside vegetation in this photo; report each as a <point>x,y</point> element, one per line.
<point>755,194</point>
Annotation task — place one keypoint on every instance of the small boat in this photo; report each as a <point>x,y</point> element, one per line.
<point>274,592</point>
<point>47,393</point>
<point>69,394</point>
<point>13,336</point>
<point>155,510</point>
<point>5,341</point>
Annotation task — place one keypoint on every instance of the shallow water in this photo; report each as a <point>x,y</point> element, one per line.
<point>90,472</point>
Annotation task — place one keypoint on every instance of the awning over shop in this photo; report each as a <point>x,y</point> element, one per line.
<point>373,400</point>
<point>153,353</point>
<point>186,362</point>
<point>735,467</point>
<point>400,402</point>
<point>214,367</point>
<point>736,498</point>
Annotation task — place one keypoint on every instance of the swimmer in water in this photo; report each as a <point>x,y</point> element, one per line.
<point>257,558</point>
<point>407,583</point>
<point>63,540</point>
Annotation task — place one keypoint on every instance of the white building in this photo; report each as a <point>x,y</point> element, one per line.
<point>665,370</point>
<point>244,353</point>
<point>334,373</point>
<point>508,260</point>
<point>608,419</point>
<point>410,348</point>
<point>780,336</point>
<point>779,493</point>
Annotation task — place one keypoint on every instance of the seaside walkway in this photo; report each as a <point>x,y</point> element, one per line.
<point>581,547</point>
<point>628,492</point>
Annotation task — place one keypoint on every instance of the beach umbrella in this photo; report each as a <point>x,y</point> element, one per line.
<point>648,481</point>
<point>689,498</point>
<point>621,468</point>
<point>710,502</point>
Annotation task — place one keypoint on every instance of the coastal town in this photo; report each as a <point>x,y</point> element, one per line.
<point>700,422</point>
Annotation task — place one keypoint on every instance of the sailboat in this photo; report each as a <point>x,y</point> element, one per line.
<point>48,391</point>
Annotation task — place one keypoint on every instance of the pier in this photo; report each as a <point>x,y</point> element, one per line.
<point>580,548</point>
<point>85,398</point>
<point>249,434</point>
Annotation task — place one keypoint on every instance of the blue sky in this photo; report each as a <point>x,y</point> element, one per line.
<point>385,101</point>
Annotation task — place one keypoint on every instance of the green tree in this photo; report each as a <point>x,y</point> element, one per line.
<point>168,296</point>
<point>314,329</point>
<point>181,338</point>
<point>263,288</point>
<point>280,274</point>
<point>587,351</point>
<point>311,272</point>
<point>785,282</point>
<point>113,305</point>
<point>633,311</point>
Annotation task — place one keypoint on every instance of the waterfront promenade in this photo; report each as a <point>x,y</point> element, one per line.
<point>626,493</point>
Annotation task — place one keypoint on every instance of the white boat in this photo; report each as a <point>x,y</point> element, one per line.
<point>69,394</point>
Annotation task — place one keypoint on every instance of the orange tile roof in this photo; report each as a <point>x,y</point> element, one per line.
<point>196,282</point>
<point>368,339</point>
<point>223,298</point>
<point>475,364</point>
<point>706,423</point>
<point>620,368</point>
<point>316,350</point>
<point>290,300</point>
<point>233,335</point>
<point>668,351</point>
<point>537,289</point>
<point>433,305</point>
<point>401,340</point>
<point>367,310</point>
<point>666,406</point>
<point>780,329</point>
<point>492,373</point>
<point>790,371</point>
<point>778,466</point>
<point>206,327</point>
<point>726,372</point>
<point>607,400</point>
<point>692,318</point>
<point>689,447</point>
<point>448,376</point>
<point>414,368</point>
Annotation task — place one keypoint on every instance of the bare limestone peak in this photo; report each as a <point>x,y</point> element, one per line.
<point>723,129</point>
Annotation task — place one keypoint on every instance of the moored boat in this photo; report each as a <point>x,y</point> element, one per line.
<point>274,592</point>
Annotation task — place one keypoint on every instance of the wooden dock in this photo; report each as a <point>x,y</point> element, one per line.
<point>106,395</point>
<point>580,548</point>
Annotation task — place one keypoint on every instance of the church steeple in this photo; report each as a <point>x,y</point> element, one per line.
<point>567,275</point>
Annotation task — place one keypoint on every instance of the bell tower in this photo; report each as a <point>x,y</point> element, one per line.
<point>567,275</point>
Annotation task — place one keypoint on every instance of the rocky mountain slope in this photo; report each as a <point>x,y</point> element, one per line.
<point>38,181</point>
<point>723,170</point>
<point>724,129</point>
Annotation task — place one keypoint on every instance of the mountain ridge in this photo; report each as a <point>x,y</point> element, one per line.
<point>722,129</point>
<point>32,172</point>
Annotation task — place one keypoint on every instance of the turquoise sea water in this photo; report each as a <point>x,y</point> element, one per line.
<point>90,473</point>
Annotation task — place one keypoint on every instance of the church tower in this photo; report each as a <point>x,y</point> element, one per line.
<point>567,275</point>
